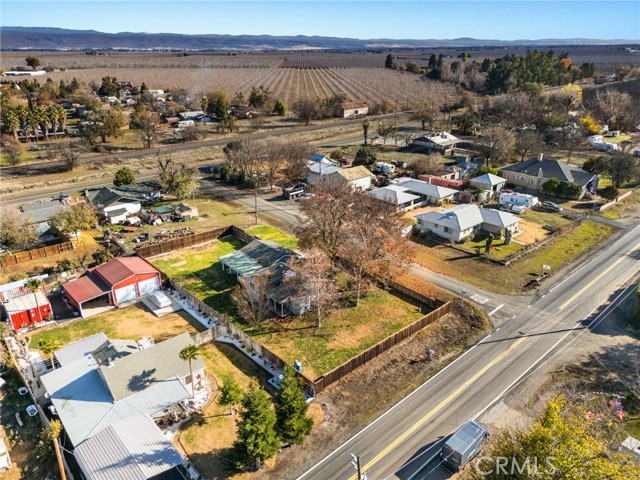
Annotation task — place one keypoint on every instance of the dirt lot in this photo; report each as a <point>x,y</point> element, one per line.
<point>530,232</point>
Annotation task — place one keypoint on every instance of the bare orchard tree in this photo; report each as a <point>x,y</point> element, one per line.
<point>69,154</point>
<point>610,106</point>
<point>310,279</point>
<point>250,298</point>
<point>325,215</point>
<point>305,109</point>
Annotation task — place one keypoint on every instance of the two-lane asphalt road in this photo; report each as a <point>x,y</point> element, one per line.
<point>483,374</point>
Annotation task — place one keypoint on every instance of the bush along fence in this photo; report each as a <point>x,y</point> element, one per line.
<point>35,254</point>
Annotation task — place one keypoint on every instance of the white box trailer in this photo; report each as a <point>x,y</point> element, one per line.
<point>524,199</point>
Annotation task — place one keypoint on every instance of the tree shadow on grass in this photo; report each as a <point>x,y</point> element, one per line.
<point>215,464</point>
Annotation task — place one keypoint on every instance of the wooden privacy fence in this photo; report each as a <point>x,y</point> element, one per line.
<point>35,254</point>
<point>336,374</point>
<point>172,244</point>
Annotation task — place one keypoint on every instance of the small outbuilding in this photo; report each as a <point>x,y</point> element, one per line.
<point>488,181</point>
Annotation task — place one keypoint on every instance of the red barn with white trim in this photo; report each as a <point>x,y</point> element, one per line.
<point>22,306</point>
<point>117,281</point>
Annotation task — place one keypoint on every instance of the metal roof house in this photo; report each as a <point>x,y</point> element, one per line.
<point>460,222</point>
<point>430,193</point>
<point>116,203</point>
<point>107,398</point>
<point>397,195</point>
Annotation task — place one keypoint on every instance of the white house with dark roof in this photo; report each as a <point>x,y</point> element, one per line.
<point>442,142</point>
<point>532,174</point>
<point>460,222</point>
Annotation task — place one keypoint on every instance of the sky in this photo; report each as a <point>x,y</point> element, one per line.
<point>418,19</point>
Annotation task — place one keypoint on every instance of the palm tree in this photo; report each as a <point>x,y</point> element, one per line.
<point>190,352</point>
<point>35,284</point>
<point>365,126</point>
<point>49,345</point>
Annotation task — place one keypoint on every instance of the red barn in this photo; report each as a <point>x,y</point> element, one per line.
<point>114,283</point>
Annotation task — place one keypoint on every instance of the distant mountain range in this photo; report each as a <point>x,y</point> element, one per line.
<point>43,38</point>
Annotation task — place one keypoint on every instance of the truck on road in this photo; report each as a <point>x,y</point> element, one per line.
<point>463,445</point>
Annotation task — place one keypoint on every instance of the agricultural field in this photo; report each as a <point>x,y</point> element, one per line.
<point>359,77</point>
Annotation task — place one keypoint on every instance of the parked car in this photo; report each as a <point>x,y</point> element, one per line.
<point>463,445</point>
<point>548,207</point>
<point>513,207</point>
<point>294,190</point>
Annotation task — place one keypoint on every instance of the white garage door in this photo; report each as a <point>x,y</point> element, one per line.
<point>126,293</point>
<point>148,286</point>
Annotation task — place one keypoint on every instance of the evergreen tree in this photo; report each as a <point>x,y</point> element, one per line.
<point>388,63</point>
<point>124,176</point>
<point>230,393</point>
<point>291,410</point>
<point>257,438</point>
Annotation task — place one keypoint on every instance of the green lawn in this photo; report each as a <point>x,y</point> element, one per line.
<point>567,247</point>
<point>265,232</point>
<point>199,271</point>
<point>501,251</point>
<point>345,332</point>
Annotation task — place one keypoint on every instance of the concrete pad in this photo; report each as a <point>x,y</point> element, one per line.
<point>161,312</point>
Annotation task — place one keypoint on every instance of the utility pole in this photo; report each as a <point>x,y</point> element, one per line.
<point>356,465</point>
<point>256,203</point>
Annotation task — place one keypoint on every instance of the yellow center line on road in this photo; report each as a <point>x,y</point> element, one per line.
<point>436,409</point>
<point>590,284</point>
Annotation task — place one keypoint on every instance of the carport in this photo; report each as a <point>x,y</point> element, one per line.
<point>90,296</point>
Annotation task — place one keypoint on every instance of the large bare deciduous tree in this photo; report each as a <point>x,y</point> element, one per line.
<point>250,297</point>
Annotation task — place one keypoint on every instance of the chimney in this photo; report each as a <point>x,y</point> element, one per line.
<point>540,156</point>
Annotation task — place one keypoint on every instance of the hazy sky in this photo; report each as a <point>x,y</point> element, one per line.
<point>501,19</point>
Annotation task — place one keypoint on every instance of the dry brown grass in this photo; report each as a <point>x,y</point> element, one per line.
<point>531,232</point>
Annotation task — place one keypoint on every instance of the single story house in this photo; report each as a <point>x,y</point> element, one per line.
<point>109,399</point>
<point>533,173</point>
<point>40,213</point>
<point>354,109</point>
<point>117,203</point>
<point>196,116</point>
<point>460,222</point>
<point>430,193</point>
<point>319,157</point>
<point>358,177</point>
<point>21,306</point>
<point>113,283</point>
<point>442,143</point>
<point>318,169</point>
<point>488,181</point>
<point>263,257</point>
<point>397,195</point>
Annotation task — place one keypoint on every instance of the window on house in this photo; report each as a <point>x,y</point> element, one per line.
<point>447,230</point>
<point>518,177</point>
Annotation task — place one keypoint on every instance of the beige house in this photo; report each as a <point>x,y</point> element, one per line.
<point>532,174</point>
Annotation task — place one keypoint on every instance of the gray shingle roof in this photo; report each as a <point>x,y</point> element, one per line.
<point>136,372</point>
<point>132,449</point>
<point>549,168</point>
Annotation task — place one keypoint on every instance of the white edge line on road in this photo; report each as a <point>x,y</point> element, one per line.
<point>586,264</point>
<point>428,461</point>
<point>393,407</point>
<point>496,309</point>
<point>603,314</point>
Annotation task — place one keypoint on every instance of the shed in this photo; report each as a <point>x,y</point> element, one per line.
<point>488,181</point>
<point>27,309</point>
